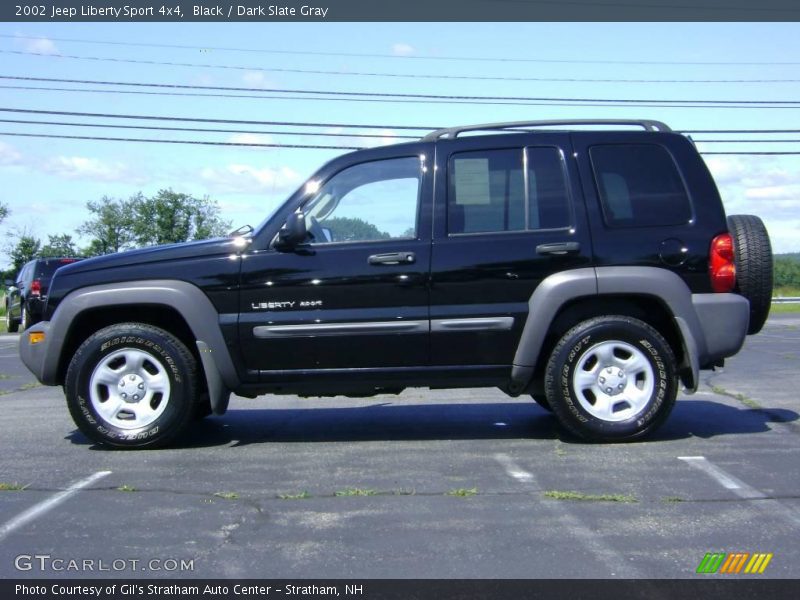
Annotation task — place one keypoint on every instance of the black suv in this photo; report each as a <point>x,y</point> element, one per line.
<point>27,294</point>
<point>592,269</point>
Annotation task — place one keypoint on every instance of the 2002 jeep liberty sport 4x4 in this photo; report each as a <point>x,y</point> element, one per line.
<point>593,268</point>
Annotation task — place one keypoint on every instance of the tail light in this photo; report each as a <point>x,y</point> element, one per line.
<point>36,288</point>
<point>722,269</point>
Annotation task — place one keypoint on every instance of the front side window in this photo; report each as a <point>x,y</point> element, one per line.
<point>369,202</point>
<point>492,191</point>
<point>639,186</point>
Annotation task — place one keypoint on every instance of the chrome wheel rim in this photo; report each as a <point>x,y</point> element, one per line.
<point>23,319</point>
<point>613,381</point>
<point>129,389</point>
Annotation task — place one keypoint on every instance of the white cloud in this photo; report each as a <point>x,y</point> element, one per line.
<point>765,186</point>
<point>80,167</point>
<point>39,45</point>
<point>9,155</point>
<point>401,49</point>
<point>247,179</point>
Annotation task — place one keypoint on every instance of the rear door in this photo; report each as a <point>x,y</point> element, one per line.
<point>508,214</point>
<point>640,207</point>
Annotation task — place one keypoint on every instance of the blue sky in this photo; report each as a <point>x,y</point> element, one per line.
<point>47,183</point>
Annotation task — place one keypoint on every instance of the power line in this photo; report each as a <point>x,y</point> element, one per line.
<point>206,120</point>
<point>387,94</point>
<point>315,133</point>
<point>204,143</point>
<point>404,56</point>
<point>208,130</point>
<point>587,103</point>
<point>315,124</point>
<point>351,73</point>
<point>303,146</point>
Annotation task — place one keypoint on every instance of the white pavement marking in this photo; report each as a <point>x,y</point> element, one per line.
<point>37,510</point>
<point>512,469</point>
<point>591,540</point>
<point>741,489</point>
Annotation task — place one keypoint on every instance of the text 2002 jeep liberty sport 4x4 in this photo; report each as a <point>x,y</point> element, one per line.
<point>592,269</point>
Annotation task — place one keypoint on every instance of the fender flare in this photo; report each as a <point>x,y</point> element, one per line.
<point>193,305</point>
<point>558,289</point>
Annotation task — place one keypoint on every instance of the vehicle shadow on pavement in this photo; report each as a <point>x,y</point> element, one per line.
<point>387,421</point>
<point>706,419</point>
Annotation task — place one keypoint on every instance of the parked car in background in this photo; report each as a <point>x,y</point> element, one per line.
<point>27,295</point>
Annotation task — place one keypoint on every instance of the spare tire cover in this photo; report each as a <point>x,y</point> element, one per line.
<point>752,254</point>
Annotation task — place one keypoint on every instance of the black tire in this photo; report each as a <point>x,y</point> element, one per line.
<point>541,400</point>
<point>163,357</point>
<point>752,253</point>
<point>12,325</point>
<point>650,384</point>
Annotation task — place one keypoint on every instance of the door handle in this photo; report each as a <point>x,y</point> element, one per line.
<point>393,258</point>
<point>558,248</point>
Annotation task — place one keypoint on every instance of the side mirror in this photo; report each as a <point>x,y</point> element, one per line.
<point>294,231</point>
<point>8,282</point>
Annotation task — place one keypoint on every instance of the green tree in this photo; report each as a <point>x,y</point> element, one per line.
<point>59,245</point>
<point>170,217</point>
<point>26,248</point>
<point>346,228</point>
<point>4,211</point>
<point>110,227</point>
<point>787,271</point>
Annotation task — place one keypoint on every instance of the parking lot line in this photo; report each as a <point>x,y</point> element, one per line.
<point>742,489</point>
<point>590,540</point>
<point>37,510</point>
<point>513,469</point>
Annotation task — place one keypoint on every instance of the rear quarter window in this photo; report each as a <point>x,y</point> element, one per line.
<point>639,185</point>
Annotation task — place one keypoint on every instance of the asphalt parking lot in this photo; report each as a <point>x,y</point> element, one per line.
<point>451,484</point>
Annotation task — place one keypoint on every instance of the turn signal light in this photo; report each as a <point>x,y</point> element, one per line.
<point>722,268</point>
<point>36,288</point>
<point>35,337</point>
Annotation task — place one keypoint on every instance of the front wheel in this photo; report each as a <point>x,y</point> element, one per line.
<point>131,386</point>
<point>612,378</point>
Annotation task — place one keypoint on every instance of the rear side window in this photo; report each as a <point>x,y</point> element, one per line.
<point>639,186</point>
<point>490,191</point>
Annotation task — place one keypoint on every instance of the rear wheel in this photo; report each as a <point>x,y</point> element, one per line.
<point>752,254</point>
<point>12,325</point>
<point>131,386</point>
<point>23,318</point>
<point>611,378</point>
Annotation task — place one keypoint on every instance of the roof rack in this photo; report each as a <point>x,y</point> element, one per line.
<point>452,132</point>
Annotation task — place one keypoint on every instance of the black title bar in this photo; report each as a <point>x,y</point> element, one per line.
<point>711,587</point>
<point>399,10</point>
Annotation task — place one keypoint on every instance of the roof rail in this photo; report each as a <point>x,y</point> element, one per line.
<point>452,132</point>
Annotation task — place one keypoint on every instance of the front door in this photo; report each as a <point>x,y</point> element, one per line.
<point>355,296</point>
